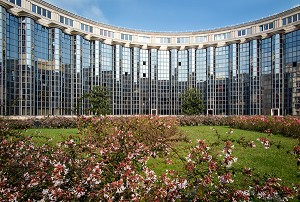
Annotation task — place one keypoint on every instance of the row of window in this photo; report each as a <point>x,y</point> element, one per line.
<point>126,37</point>
<point>66,21</point>
<point>291,19</point>
<point>16,2</point>
<point>86,28</point>
<point>244,32</point>
<point>222,36</point>
<point>267,26</point>
<point>41,11</point>
<point>144,39</point>
<point>106,33</point>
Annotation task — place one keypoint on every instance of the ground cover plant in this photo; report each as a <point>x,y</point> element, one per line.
<point>109,160</point>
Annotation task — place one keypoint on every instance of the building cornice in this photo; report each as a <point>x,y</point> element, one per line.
<point>153,37</point>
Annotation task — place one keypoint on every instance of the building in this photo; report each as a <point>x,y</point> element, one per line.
<point>50,57</point>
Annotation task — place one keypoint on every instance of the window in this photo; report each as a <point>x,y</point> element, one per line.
<point>41,11</point>
<point>244,32</point>
<point>183,40</point>
<point>66,21</point>
<point>266,26</point>
<point>126,37</point>
<point>291,19</point>
<point>144,62</point>
<point>49,14</point>
<point>284,21</point>
<point>163,40</point>
<point>107,33</point>
<point>144,39</point>
<point>17,2</point>
<point>222,36</point>
<point>86,28</point>
<point>33,8</point>
<point>200,39</point>
<point>44,12</point>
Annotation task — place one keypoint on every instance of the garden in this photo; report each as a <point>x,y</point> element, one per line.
<point>150,158</point>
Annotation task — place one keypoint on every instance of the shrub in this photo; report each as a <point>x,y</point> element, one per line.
<point>152,131</point>
<point>287,126</point>
<point>58,122</point>
<point>203,120</point>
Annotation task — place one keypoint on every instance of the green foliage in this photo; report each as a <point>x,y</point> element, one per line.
<point>191,102</point>
<point>99,100</point>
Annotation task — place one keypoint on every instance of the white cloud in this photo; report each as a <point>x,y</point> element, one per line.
<point>89,9</point>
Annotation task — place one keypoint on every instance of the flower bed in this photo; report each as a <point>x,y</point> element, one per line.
<point>109,162</point>
<point>287,126</point>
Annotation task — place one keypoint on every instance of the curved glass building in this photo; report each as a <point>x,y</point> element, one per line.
<point>50,57</point>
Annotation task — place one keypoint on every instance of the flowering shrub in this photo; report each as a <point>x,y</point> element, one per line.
<point>47,122</point>
<point>153,131</point>
<point>110,164</point>
<point>58,122</point>
<point>203,120</point>
<point>288,126</point>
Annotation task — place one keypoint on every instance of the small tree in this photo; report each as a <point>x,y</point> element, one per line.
<point>99,100</point>
<point>192,103</point>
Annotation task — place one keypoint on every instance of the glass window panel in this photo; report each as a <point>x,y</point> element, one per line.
<point>61,19</point>
<point>271,25</point>
<point>295,18</point>
<point>39,10</point>
<point>19,2</point>
<point>44,12</point>
<point>49,14</point>
<point>33,8</point>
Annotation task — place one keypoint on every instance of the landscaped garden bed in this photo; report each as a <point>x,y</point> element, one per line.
<point>148,158</point>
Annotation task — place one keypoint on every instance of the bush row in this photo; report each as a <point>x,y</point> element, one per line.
<point>47,122</point>
<point>203,120</point>
<point>287,126</point>
<point>66,122</point>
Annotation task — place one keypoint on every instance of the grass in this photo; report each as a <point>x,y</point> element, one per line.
<point>42,135</point>
<point>275,161</point>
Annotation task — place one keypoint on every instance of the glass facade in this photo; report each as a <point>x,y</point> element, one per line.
<point>45,71</point>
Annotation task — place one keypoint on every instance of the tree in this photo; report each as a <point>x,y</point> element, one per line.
<point>192,103</point>
<point>98,98</point>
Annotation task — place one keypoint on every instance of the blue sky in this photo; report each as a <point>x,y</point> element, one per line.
<point>174,15</point>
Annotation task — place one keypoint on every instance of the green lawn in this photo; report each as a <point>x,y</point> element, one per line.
<point>275,161</point>
<point>270,162</point>
<point>51,136</point>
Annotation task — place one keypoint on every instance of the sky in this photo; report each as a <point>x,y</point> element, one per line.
<point>174,15</point>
